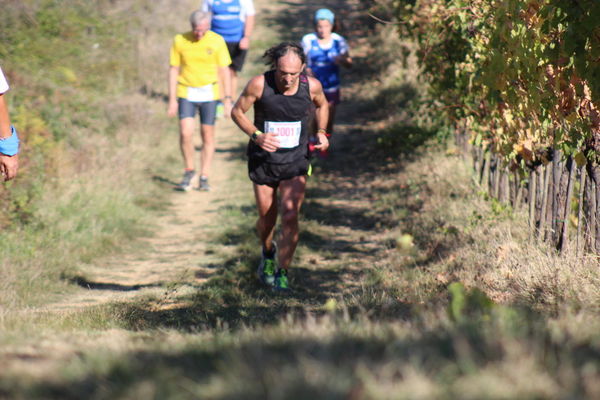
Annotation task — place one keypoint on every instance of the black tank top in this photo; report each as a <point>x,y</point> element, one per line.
<point>287,115</point>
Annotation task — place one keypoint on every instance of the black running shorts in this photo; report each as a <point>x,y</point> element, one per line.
<point>264,173</point>
<point>238,56</point>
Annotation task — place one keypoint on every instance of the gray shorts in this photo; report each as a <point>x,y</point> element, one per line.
<point>207,109</point>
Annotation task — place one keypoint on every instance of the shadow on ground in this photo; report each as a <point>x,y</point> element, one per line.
<point>344,195</point>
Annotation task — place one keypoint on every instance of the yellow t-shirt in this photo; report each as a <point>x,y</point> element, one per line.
<point>198,61</point>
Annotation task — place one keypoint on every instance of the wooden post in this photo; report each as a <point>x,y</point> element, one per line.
<point>519,185</point>
<point>532,197</point>
<point>581,199</point>
<point>555,190</point>
<point>504,189</point>
<point>592,214</point>
<point>563,241</point>
<point>546,205</point>
<point>485,171</point>
<point>496,181</point>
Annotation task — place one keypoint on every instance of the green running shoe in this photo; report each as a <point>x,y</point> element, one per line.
<point>186,181</point>
<point>281,281</point>
<point>267,267</point>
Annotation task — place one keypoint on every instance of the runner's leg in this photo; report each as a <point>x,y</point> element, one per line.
<point>186,143</point>
<point>208,148</point>
<point>234,82</point>
<point>291,192</point>
<point>266,203</point>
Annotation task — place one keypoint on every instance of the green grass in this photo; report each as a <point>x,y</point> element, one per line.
<point>74,76</point>
<point>408,283</point>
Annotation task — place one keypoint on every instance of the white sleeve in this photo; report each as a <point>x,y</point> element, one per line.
<point>206,6</point>
<point>247,9</point>
<point>306,43</point>
<point>343,45</point>
<point>3,84</point>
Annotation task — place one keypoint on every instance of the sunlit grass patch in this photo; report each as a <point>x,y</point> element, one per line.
<point>296,357</point>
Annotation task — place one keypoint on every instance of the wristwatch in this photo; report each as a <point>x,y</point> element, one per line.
<point>255,135</point>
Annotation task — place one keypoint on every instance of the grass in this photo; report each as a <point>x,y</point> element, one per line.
<point>409,283</point>
<point>90,140</point>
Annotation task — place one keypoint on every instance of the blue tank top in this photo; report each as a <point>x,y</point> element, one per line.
<point>226,20</point>
<point>321,62</point>
<point>275,108</point>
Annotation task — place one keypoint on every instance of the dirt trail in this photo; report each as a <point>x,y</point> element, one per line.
<point>178,257</point>
<point>176,253</point>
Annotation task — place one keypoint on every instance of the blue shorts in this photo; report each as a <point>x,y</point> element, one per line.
<point>208,110</point>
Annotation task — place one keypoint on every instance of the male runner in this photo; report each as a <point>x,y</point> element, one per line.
<point>198,77</point>
<point>234,20</point>
<point>283,100</point>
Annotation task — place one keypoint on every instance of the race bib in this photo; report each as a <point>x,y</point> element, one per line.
<point>288,133</point>
<point>204,93</point>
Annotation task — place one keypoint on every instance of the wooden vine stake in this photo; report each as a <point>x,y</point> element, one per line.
<point>563,242</point>
<point>581,199</point>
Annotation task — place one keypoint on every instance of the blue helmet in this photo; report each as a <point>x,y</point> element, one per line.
<point>325,14</point>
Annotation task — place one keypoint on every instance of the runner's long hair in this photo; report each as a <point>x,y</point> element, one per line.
<point>276,52</point>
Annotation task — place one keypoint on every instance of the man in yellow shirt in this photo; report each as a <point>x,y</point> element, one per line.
<point>198,78</point>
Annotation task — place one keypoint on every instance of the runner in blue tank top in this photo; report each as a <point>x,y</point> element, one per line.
<point>325,51</point>
<point>234,20</point>
<point>283,101</point>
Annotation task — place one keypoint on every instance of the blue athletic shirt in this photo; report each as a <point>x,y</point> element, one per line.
<point>320,59</point>
<point>229,17</point>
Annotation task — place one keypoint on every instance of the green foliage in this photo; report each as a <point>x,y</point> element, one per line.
<point>468,303</point>
<point>522,76</point>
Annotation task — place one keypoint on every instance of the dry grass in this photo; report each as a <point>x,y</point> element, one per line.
<point>392,218</point>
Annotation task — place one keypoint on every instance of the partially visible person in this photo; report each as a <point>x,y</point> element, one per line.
<point>234,20</point>
<point>325,51</point>
<point>9,140</point>
<point>283,100</point>
<point>198,78</point>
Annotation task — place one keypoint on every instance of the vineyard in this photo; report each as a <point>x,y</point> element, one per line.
<point>519,83</point>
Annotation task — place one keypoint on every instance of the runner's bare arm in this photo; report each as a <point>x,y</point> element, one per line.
<point>173,75</point>
<point>344,60</point>
<point>321,112</point>
<point>248,28</point>
<point>8,164</point>
<point>249,96</point>
<point>225,83</point>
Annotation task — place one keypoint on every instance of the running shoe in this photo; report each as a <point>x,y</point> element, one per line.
<point>281,281</point>
<point>204,186</point>
<point>220,110</point>
<point>266,268</point>
<point>186,181</point>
